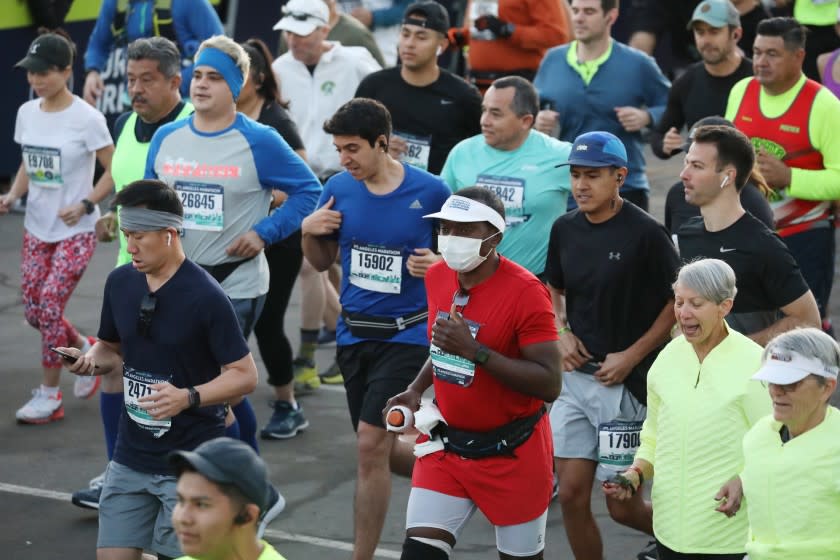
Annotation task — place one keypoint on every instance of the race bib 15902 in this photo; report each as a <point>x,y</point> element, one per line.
<point>376,268</point>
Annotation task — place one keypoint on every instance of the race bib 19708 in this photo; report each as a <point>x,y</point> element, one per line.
<point>43,166</point>
<point>376,268</point>
<point>203,205</point>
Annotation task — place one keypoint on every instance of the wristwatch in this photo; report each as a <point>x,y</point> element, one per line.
<point>89,206</point>
<point>481,355</point>
<point>195,398</point>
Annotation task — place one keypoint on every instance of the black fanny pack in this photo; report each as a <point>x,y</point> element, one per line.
<point>221,271</point>
<point>380,328</point>
<point>501,441</point>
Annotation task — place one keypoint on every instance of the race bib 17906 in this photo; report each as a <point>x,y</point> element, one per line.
<point>376,268</point>
<point>618,442</point>
<point>43,166</point>
<point>203,205</point>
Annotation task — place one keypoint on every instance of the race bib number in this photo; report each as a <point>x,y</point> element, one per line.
<point>512,192</point>
<point>203,205</point>
<point>417,149</point>
<point>617,443</point>
<point>43,166</point>
<point>376,268</point>
<point>137,384</point>
<point>449,367</point>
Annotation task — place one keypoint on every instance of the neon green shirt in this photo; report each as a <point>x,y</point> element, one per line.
<point>816,12</point>
<point>793,491</point>
<point>586,69</point>
<point>268,553</point>
<point>824,120</point>
<point>696,419</point>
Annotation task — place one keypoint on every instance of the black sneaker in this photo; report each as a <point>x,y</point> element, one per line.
<point>87,498</point>
<point>285,423</point>
<point>649,553</point>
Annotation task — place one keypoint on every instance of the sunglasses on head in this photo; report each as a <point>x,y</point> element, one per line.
<point>144,320</point>
<point>300,16</point>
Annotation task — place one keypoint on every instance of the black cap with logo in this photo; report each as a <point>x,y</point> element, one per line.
<point>47,51</point>
<point>436,16</point>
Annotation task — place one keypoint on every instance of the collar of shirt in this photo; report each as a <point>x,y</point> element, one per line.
<point>587,69</point>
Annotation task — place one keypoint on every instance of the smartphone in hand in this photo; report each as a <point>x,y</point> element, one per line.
<point>67,357</point>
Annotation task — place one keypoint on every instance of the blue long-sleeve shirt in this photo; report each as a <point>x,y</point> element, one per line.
<point>627,77</point>
<point>386,17</point>
<point>193,20</point>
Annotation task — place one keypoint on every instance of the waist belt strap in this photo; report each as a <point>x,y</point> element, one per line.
<point>372,326</point>
<point>221,271</point>
<point>501,441</point>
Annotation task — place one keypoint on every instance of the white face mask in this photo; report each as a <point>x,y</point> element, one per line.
<point>462,254</point>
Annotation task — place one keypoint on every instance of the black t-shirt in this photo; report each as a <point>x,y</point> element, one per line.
<point>678,211</point>
<point>194,332</point>
<point>442,113</point>
<point>749,22</point>
<point>274,115</point>
<point>144,131</point>
<point>767,276</point>
<point>616,275</point>
<point>695,95</point>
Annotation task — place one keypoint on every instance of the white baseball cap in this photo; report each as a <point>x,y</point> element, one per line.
<point>783,367</point>
<point>463,209</point>
<point>302,17</point>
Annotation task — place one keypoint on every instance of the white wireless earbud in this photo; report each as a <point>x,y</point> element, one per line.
<point>439,51</point>
<point>725,180</point>
<point>168,239</point>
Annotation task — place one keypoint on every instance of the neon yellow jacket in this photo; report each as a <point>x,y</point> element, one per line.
<point>697,417</point>
<point>793,491</point>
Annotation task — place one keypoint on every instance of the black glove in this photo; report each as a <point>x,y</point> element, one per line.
<point>497,27</point>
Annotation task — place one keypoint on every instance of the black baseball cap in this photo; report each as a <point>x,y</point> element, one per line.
<point>705,121</point>
<point>47,51</point>
<point>437,18</point>
<point>228,461</point>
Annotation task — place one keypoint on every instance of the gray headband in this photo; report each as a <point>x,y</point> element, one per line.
<point>143,219</point>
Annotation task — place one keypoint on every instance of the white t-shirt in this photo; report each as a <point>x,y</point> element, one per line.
<point>59,154</point>
<point>315,97</point>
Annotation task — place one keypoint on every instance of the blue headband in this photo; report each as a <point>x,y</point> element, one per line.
<point>224,65</point>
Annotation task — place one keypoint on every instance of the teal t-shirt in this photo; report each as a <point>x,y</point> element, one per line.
<point>533,190</point>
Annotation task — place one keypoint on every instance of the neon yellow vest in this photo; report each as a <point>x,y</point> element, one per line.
<point>129,164</point>
<point>819,12</point>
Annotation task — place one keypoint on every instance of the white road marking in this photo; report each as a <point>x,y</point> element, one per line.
<point>273,533</point>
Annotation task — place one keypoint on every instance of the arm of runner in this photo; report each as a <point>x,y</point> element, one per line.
<point>102,358</point>
<point>411,396</point>
<point>319,247</point>
<point>418,263</point>
<point>71,214</point>
<point>801,312</point>
<point>618,365</point>
<point>236,380</point>
<point>574,353</point>
<point>18,189</point>
<point>537,374</point>
<point>730,496</point>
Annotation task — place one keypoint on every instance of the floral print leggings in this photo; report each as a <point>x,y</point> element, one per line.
<point>49,274</point>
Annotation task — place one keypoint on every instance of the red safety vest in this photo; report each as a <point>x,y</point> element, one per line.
<point>786,137</point>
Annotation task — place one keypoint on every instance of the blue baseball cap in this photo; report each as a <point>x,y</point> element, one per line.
<point>597,149</point>
<point>717,13</point>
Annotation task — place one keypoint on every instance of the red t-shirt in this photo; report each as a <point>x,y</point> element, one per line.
<point>513,309</point>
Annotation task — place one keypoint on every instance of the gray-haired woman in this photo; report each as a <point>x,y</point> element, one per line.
<point>791,475</point>
<point>700,404</point>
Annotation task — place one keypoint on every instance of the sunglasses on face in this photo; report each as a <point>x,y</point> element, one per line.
<point>144,320</point>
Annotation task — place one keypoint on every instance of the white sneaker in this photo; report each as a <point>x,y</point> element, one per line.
<point>41,408</point>
<point>97,481</point>
<point>85,386</point>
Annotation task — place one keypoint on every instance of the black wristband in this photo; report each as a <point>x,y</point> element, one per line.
<point>89,206</point>
<point>195,398</point>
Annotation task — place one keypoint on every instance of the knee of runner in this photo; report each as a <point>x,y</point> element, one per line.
<point>572,494</point>
<point>425,548</point>
<point>374,445</point>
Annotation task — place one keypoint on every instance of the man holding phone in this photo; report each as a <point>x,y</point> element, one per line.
<point>172,330</point>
